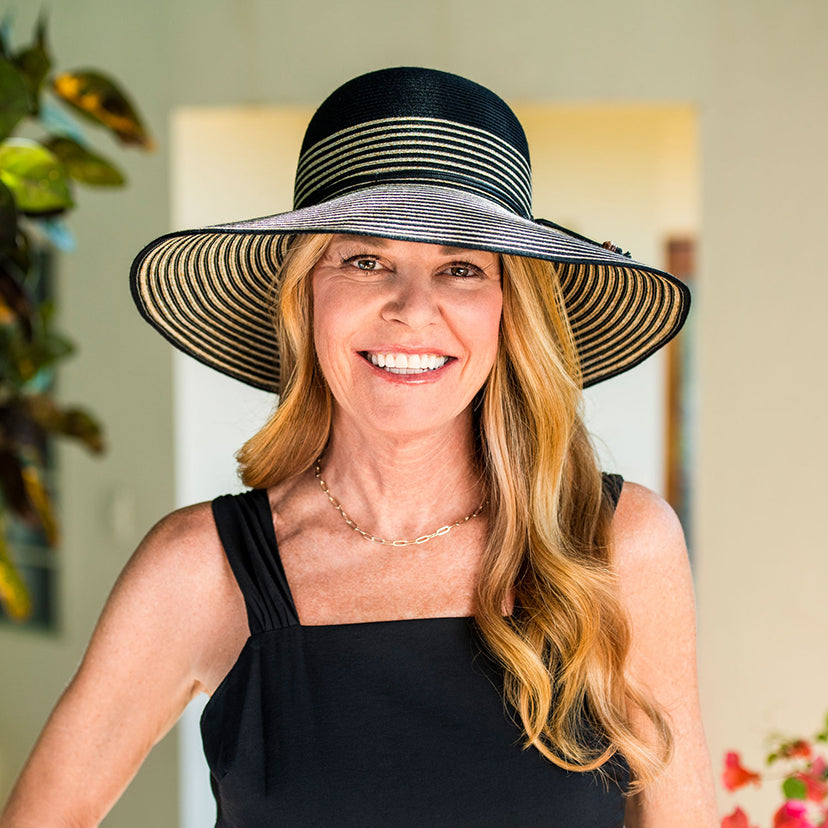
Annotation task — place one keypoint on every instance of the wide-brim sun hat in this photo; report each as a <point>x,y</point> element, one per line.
<point>416,155</point>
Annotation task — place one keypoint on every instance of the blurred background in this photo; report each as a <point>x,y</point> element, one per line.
<point>691,132</point>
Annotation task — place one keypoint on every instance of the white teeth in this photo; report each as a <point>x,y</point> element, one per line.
<point>407,363</point>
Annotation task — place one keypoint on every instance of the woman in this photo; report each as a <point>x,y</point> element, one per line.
<point>430,608</point>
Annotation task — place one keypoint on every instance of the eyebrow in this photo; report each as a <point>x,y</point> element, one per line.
<point>379,241</point>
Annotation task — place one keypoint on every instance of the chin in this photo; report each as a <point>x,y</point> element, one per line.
<point>400,420</point>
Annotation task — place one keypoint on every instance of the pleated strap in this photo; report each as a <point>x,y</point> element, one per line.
<point>612,484</point>
<point>245,527</point>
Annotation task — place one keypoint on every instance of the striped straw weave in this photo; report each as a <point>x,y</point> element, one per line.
<point>409,154</point>
<point>419,151</point>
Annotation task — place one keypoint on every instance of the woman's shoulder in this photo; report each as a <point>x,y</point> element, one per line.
<point>645,520</point>
<point>184,548</point>
<point>650,561</point>
<point>183,543</point>
<point>648,547</point>
<point>179,575</point>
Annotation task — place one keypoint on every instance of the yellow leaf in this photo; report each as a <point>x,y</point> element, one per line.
<point>99,98</point>
<point>13,592</point>
<point>39,498</point>
<point>7,315</point>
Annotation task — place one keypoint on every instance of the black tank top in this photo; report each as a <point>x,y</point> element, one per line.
<point>381,723</point>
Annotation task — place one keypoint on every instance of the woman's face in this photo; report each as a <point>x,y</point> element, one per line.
<point>406,333</point>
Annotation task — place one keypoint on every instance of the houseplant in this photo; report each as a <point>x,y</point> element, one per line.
<point>44,155</point>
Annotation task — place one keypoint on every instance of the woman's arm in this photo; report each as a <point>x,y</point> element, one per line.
<point>657,592</point>
<point>172,627</point>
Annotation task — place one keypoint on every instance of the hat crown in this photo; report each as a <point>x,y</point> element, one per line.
<point>416,126</point>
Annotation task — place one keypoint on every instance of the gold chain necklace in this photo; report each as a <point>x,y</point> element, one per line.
<point>443,530</point>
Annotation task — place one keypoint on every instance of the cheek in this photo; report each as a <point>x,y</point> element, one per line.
<point>328,319</point>
<point>336,319</point>
<point>486,327</point>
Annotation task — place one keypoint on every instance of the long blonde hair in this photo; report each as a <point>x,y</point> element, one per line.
<point>564,647</point>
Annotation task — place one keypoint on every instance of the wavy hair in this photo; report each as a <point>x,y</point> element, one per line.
<point>564,646</point>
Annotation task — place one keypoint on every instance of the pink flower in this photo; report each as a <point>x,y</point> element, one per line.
<point>814,782</point>
<point>792,814</point>
<point>735,776</point>
<point>738,819</point>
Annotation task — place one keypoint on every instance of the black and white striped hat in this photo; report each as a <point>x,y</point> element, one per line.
<point>412,154</point>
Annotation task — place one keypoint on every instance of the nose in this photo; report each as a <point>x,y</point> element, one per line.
<point>413,300</point>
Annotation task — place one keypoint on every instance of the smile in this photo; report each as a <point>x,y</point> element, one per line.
<point>398,363</point>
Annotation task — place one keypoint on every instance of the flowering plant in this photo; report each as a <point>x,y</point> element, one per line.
<point>802,767</point>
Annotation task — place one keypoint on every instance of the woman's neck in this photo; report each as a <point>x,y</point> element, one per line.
<point>402,486</point>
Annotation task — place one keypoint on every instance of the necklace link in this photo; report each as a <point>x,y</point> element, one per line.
<point>443,530</point>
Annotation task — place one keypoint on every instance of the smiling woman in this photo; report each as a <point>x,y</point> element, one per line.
<point>431,607</point>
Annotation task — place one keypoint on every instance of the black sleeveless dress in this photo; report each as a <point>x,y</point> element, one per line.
<point>385,723</point>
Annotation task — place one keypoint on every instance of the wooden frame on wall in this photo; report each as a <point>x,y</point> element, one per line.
<point>681,393</point>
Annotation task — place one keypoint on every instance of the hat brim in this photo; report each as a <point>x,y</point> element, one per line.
<point>209,291</point>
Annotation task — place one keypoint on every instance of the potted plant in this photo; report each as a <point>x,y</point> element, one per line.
<point>44,155</point>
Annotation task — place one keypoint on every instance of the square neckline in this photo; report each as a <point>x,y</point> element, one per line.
<point>266,516</point>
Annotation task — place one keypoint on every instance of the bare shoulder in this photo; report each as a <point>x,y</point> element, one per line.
<point>644,519</point>
<point>180,556</point>
<point>179,579</point>
<point>183,546</point>
<point>648,542</point>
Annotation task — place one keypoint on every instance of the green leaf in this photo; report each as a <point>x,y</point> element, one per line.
<point>12,486</point>
<point>20,255</point>
<point>35,177</point>
<point>83,165</point>
<point>23,362</point>
<point>40,31</point>
<point>34,65</point>
<point>794,789</point>
<point>14,97</point>
<point>8,219</point>
<point>101,99</point>
<point>14,304</point>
